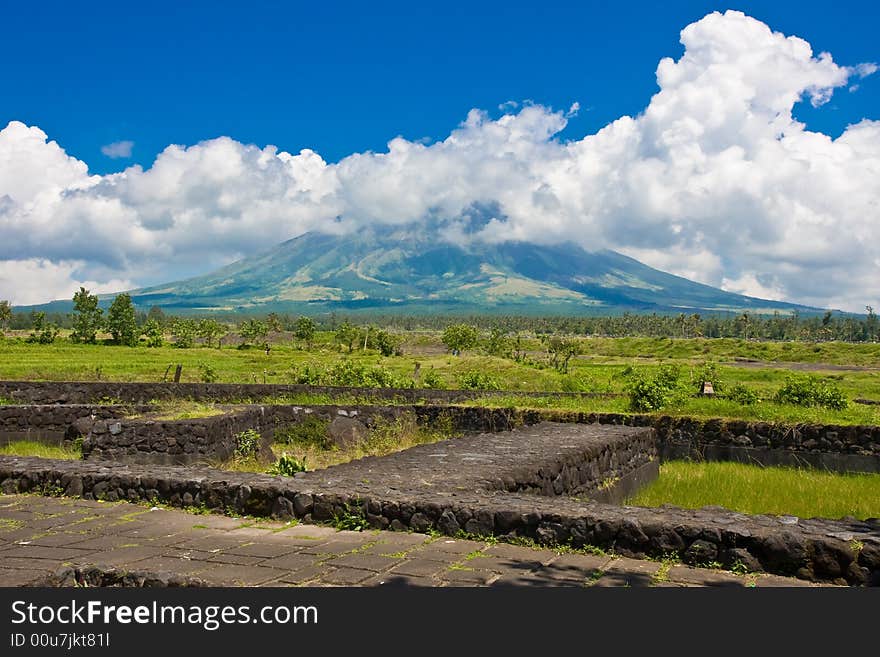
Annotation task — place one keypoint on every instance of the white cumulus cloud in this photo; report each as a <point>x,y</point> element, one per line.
<point>715,180</point>
<point>118,149</point>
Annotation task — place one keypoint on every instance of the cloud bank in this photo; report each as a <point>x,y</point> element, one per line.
<point>715,180</point>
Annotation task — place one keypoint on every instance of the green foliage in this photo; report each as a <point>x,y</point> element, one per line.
<point>653,391</point>
<point>88,319</point>
<point>387,343</point>
<point>498,342</point>
<point>707,371</point>
<point>431,379</point>
<point>477,380</point>
<point>346,335</point>
<point>351,518</point>
<point>42,332</point>
<point>210,330</point>
<point>742,395</point>
<point>5,313</point>
<point>183,331</point>
<point>152,332</point>
<point>207,373</point>
<point>458,337</point>
<point>252,331</point>
<point>287,466</point>
<point>811,391</point>
<point>310,432</point>
<point>247,443</point>
<point>121,321</point>
<point>561,351</point>
<point>304,330</point>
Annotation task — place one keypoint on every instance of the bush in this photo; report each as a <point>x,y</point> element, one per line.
<point>431,379</point>
<point>476,380</point>
<point>287,466</point>
<point>708,371</point>
<point>811,391</point>
<point>653,392</point>
<point>246,444</point>
<point>207,373</point>
<point>742,395</point>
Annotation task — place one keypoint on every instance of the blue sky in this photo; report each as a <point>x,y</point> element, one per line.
<point>143,143</point>
<point>347,77</point>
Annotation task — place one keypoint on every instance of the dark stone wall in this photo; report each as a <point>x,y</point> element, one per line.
<point>51,424</point>
<point>172,442</point>
<point>840,551</point>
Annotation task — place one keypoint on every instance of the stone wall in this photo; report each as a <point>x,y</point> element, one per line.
<point>840,551</point>
<point>209,440</point>
<point>52,424</point>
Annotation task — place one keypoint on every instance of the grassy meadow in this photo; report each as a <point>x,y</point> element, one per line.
<point>754,489</point>
<point>603,366</point>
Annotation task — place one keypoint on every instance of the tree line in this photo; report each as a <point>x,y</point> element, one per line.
<point>129,325</point>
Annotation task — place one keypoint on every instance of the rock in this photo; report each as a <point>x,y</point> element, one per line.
<point>701,553</point>
<point>282,508</point>
<point>346,432</point>
<point>740,559</point>
<point>447,523</point>
<point>302,504</point>
<point>419,522</point>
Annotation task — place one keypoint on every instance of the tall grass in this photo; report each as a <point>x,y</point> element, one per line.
<point>763,490</point>
<point>33,448</point>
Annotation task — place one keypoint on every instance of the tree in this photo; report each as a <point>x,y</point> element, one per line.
<point>252,330</point>
<point>88,320</point>
<point>273,322</point>
<point>121,321</point>
<point>346,334</point>
<point>458,337</point>
<point>210,330</point>
<point>153,333</point>
<point>5,314</point>
<point>388,344</point>
<point>157,315</point>
<point>43,332</point>
<point>561,351</point>
<point>184,332</point>
<point>498,343</point>
<point>304,330</point>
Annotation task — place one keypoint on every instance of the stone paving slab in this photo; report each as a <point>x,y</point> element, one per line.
<point>222,551</point>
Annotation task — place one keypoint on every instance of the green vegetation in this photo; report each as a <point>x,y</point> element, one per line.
<point>287,466</point>
<point>763,490</point>
<point>184,410</point>
<point>811,391</point>
<point>246,445</point>
<point>33,448</point>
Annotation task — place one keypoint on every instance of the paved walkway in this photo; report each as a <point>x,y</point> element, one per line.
<point>40,535</point>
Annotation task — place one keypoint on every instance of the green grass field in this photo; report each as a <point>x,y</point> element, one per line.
<point>763,490</point>
<point>601,368</point>
<point>33,448</point>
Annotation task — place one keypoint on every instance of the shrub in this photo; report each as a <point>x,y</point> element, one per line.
<point>287,466</point>
<point>742,395</point>
<point>207,373</point>
<point>653,392</point>
<point>246,444</point>
<point>811,391</point>
<point>476,380</point>
<point>707,371</point>
<point>458,337</point>
<point>431,379</point>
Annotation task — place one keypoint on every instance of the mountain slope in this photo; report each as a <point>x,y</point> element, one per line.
<point>408,272</point>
